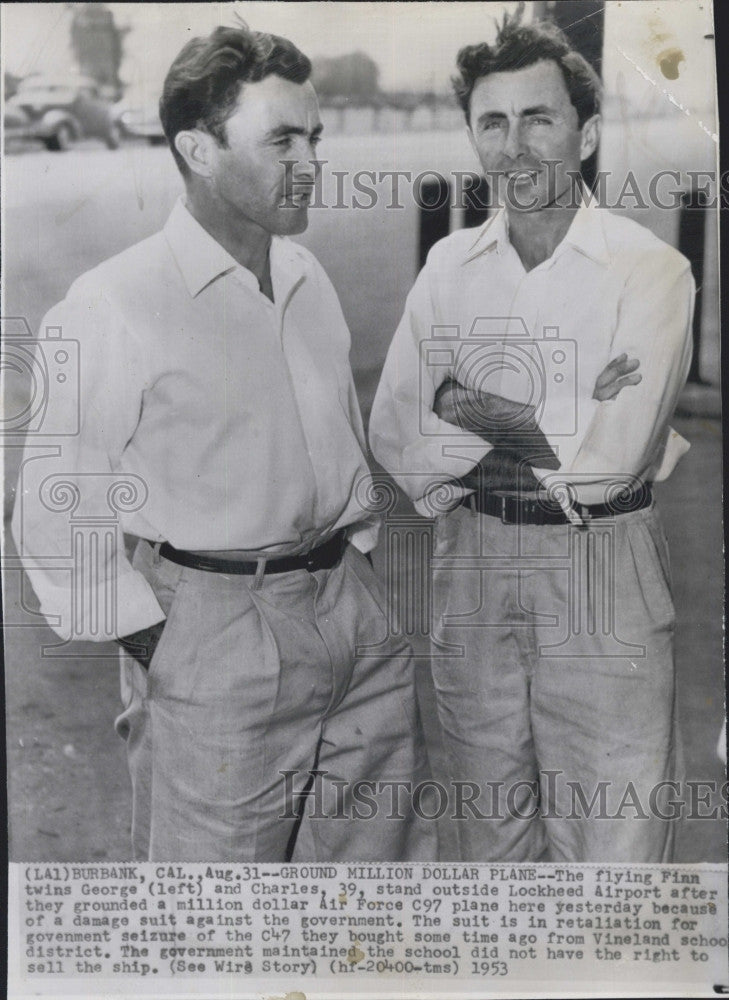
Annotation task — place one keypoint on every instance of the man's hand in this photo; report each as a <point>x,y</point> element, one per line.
<point>142,645</point>
<point>500,469</point>
<point>621,371</point>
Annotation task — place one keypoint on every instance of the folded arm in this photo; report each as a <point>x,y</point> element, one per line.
<point>512,428</point>
<point>627,435</point>
<point>503,423</point>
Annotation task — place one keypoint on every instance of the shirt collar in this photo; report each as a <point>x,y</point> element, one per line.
<point>202,259</point>
<point>586,234</point>
<point>493,234</point>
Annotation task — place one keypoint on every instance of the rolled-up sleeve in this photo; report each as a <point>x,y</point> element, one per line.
<point>66,522</point>
<point>628,436</point>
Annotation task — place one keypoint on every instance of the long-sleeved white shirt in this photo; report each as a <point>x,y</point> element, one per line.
<point>234,419</point>
<point>541,337</point>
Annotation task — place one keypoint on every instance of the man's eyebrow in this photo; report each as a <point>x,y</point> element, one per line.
<point>538,109</point>
<point>283,130</point>
<point>489,116</point>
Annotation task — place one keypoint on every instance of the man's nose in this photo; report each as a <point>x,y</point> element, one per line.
<point>305,172</point>
<point>305,166</point>
<point>304,154</point>
<point>514,142</point>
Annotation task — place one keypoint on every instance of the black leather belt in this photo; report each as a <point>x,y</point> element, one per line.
<point>513,509</point>
<point>324,556</point>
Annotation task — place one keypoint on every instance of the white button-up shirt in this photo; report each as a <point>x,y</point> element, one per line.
<point>235,418</point>
<point>541,337</point>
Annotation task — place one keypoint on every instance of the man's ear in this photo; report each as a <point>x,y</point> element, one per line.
<point>590,136</point>
<point>195,147</point>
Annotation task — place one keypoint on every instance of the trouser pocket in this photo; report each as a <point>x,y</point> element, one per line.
<point>167,580</point>
<point>651,577</point>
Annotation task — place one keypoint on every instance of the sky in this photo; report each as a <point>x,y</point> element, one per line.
<point>36,34</point>
<point>414,44</point>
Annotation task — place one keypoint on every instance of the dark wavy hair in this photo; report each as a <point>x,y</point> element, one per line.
<point>520,45</point>
<point>203,83</point>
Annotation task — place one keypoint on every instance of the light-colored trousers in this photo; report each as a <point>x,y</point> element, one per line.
<point>554,678</point>
<point>248,683</point>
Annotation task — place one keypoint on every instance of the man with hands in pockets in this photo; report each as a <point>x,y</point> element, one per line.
<point>214,367</point>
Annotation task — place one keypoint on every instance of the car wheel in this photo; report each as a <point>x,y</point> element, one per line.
<point>113,137</point>
<point>61,140</point>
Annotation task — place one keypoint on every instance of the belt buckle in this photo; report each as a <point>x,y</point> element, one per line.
<point>518,503</point>
<point>503,509</point>
<point>578,516</point>
<point>309,564</point>
<point>310,560</point>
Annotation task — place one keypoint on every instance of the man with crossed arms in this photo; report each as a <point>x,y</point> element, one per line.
<point>555,529</point>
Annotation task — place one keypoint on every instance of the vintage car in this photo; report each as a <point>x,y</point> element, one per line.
<point>59,112</point>
<point>140,120</point>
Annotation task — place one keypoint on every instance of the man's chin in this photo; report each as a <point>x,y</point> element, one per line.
<point>529,199</point>
<point>292,220</point>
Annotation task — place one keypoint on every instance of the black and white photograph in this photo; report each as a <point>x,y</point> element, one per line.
<point>363,548</point>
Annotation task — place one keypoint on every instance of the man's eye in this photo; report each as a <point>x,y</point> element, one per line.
<point>539,120</point>
<point>283,143</point>
<point>315,140</point>
<point>490,126</point>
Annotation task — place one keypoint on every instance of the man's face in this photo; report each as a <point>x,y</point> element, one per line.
<point>274,120</point>
<point>522,121</point>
